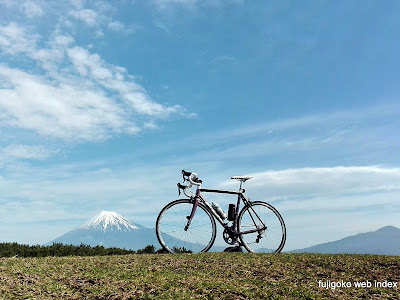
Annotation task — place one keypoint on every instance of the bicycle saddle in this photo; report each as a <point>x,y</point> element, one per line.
<point>242,178</point>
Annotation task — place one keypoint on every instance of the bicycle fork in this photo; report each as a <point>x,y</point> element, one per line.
<point>195,204</point>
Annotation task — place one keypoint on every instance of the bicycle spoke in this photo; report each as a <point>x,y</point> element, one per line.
<point>256,217</point>
<point>197,226</point>
<point>173,220</point>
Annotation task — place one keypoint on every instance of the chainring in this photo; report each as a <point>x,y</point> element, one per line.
<point>229,238</point>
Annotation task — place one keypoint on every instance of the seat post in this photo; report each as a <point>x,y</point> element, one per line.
<point>241,179</point>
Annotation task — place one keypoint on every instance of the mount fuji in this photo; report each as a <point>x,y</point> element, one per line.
<point>110,229</point>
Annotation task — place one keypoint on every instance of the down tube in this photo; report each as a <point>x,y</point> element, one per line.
<point>216,216</point>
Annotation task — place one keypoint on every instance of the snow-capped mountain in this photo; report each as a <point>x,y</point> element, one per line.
<point>108,221</point>
<point>110,229</point>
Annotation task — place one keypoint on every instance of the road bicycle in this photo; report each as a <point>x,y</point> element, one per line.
<point>188,225</point>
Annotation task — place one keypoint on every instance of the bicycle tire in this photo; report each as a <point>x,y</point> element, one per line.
<point>170,227</point>
<point>272,239</point>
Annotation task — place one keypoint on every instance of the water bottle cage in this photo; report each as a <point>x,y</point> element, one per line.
<point>231,212</point>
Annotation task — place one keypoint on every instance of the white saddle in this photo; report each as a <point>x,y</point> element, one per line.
<point>242,178</point>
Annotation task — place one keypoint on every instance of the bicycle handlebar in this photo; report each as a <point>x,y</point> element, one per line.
<point>184,173</point>
<point>193,179</point>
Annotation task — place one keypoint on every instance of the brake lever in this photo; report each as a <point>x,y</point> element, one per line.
<point>180,187</point>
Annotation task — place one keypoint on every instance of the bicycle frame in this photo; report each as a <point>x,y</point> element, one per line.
<point>198,197</point>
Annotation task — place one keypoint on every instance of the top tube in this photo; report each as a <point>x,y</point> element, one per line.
<point>221,191</point>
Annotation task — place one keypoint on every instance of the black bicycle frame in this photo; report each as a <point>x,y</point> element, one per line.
<point>215,214</point>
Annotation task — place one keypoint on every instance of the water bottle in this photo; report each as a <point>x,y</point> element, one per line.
<point>219,210</point>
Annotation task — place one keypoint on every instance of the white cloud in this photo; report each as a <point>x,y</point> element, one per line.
<point>341,132</point>
<point>32,9</point>
<point>77,3</point>
<point>64,111</point>
<point>63,40</point>
<point>113,78</point>
<point>78,97</point>
<point>18,151</point>
<point>117,26</point>
<point>364,115</point>
<point>88,16</point>
<point>323,203</point>
<point>98,17</point>
<point>99,33</point>
<point>317,184</point>
<point>151,125</point>
<point>14,39</point>
<point>299,190</point>
<point>13,154</point>
<point>165,4</point>
<point>94,186</point>
<point>29,8</point>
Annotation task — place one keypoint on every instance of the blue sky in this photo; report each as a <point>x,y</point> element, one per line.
<point>103,103</point>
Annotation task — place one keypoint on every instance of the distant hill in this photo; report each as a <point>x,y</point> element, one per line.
<point>384,241</point>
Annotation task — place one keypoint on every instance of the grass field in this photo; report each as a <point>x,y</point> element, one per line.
<point>199,276</point>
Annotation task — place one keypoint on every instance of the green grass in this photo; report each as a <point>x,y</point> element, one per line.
<point>197,276</point>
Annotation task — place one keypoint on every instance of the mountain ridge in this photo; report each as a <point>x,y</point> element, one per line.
<point>384,241</point>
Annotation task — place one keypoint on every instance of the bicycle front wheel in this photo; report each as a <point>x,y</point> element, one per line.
<point>171,223</point>
<point>262,228</point>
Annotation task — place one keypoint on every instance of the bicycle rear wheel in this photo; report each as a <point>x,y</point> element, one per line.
<point>170,227</point>
<point>270,236</point>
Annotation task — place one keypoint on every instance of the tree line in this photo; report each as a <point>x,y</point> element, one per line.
<point>58,249</point>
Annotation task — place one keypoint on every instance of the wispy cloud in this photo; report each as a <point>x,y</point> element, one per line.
<point>17,152</point>
<point>88,16</point>
<point>223,59</point>
<point>77,95</point>
<point>334,181</point>
<point>345,117</point>
<point>164,4</point>
<point>65,111</point>
<point>118,26</point>
<point>339,194</point>
<point>32,9</point>
<point>15,40</point>
<point>26,152</point>
<point>325,204</point>
<point>352,133</point>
